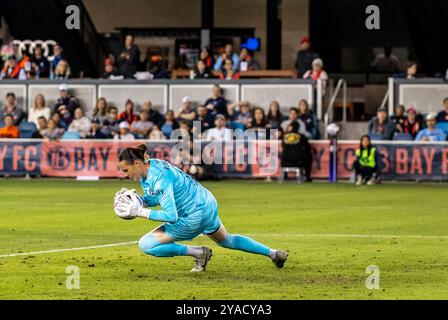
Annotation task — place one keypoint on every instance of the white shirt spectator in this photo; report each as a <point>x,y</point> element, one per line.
<point>35,114</point>
<point>82,126</point>
<point>127,136</point>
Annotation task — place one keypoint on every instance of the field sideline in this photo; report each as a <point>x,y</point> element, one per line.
<point>333,233</point>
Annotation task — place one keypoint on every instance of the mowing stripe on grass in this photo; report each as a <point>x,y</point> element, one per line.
<point>286,235</point>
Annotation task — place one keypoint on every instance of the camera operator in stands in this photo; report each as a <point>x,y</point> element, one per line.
<point>297,151</point>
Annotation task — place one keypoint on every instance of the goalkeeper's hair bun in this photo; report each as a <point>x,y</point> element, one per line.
<point>132,154</point>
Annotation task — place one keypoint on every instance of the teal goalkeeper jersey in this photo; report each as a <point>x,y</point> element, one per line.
<point>177,193</point>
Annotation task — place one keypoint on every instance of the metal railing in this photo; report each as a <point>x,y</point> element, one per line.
<point>329,115</point>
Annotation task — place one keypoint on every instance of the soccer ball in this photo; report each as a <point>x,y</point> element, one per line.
<point>333,129</point>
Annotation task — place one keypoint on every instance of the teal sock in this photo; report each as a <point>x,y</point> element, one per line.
<point>237,242</point>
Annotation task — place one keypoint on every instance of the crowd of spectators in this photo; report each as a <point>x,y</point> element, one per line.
<point>409,125</point>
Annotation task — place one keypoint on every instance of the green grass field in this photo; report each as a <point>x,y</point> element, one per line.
<point>333,233</point>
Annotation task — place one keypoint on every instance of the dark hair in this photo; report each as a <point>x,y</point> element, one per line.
<point>361,147</point>
<point>411,63</point>
<point>10,94</point>
<point>294,109</point>
<point>132,154</point>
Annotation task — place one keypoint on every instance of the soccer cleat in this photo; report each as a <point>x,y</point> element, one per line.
<point>280,258</point>
<point>200,263</point>
<point>359,181</point>
<point>371,182</point>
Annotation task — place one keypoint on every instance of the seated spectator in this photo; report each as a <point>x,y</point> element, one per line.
<point>247,62</point>
<point>317,72</point>
<point>66,118</point>
<point>13,70</point>
<point>156,134</point>
<point>381,125</point>
<point>305,57</point>
<point>258,123</point>
<point>275,116</point>
<point>39,110</point>
<point>109,70</point>
<point>217,104</point>
<point>228,54</point>
<point>308,117</point>
<point>65,99</point>
<point>431,133</point>
<point>95,130</point>
<point>111,124</point>
<point>184,131</point>
<point>100,111</point>
<point>442,116</point>
<point>366,163</point>
<point>386,62</point>
<point>201,71</point>
<point>128,114</point>
<point>169,124</point>
<point>154,115</point>
<point>39,64</point>
<point>52,132</point>
<point>186,113</point>
<point>56,117</point>
<point>156,69</point>
<point>80,123</point>
<point>62,71</point>
<point>57,56</point>
<point>142,127</point>
<point>12,109</point>
<point>219,132</point>
<point>41,126</point>
<point>228,72</point>
<point>411,71</point>
<point>206,57</point>
<point>297,152</point>
<point>293,116</point>
<point>241,113</point>
<point>124,134</point>
<point>10,130</point>
<point>129,58</point>
<point>399,117</point>
<point>412,124</point>
<point>204,118</point>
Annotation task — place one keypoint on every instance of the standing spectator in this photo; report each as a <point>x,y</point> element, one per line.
<point>381,125</point>
<point>293,116</point>
<point>57,56</point>
<point>386,62</point>
<point>366,163</point>
<point>41,126</point>
<point>40,64</point>
<point>39,110</point>
<point>12,109</point>
<point>228,72</point>
<point>65,99</point>
<point>128,114</point>
<point>399,117</point>
<point>169,124</point>
<point>80,123</point>
<point>156,134</point>
<point>241,113</point>
<point>129,58</point>
<point>308,117</point>
<point>317,72</point>
<point>62,71</point>
<point>201,71</point>
<point>442,116</point>
<point>124,134</point>
<point>10,130</point>
<point>13,70</point>
<point>228,54</point>
<point>412,124</point>
<point>275,116</point>
<point>186,113</point>
<point>206,56</point>
<point>247,62</point>
<point>95,131</point>
<point>100,111</point>
<point>431,133</point>
<point>52,132</point>
<point>219,132</point>
<point>217,104</point>
<point>305,57</point>
<point>154,115</point>
<point>111,124</point>
<point>142,127</point>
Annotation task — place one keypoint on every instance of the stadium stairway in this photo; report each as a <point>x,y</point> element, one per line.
<point>46,20</point>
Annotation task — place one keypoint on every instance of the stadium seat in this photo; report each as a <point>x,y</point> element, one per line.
<point>443,126</point>
<point>403,137</point>
<point>70,135</point>
<point>2,124</point>
<point>376,137</point>
<point>27,129</point>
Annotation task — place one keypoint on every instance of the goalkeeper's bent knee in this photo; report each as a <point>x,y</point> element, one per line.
<point>149,245</point>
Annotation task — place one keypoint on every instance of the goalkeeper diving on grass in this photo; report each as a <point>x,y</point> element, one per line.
<point>187,211</point>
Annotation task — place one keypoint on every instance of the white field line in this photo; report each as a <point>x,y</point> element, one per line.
<point>286,235</point>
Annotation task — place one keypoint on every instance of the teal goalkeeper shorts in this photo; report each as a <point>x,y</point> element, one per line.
<point>202,221</point>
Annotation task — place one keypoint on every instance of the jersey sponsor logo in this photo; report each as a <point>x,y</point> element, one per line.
<point>156,193</point>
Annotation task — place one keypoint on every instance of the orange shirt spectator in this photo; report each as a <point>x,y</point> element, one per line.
<point>9,130</point>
